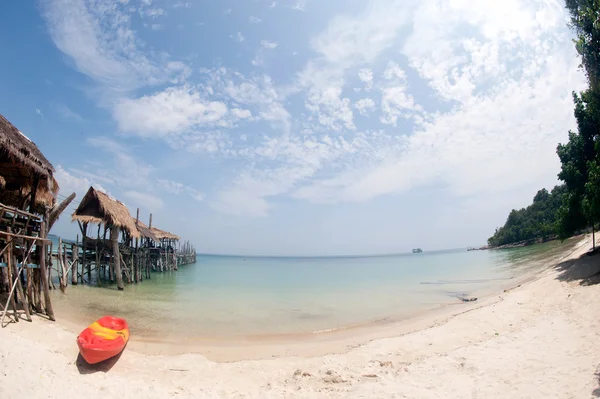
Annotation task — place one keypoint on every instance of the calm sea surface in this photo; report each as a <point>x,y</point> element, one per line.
<point>230,295</point>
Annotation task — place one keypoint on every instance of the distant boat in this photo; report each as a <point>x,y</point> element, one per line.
<point>417,251</point>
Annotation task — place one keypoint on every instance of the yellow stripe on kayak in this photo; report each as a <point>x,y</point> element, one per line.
<point>108,333</point>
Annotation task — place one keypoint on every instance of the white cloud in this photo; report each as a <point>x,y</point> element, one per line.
<point>268,44</point>
<point>195,194</point>
<point>170,186</point>
<point>152,12</point>
<point>258,93</point>
<point>264,45</point>
<point>348,41</point>
<point>70,182</point>
<point>456,62</point>
<point>356,39</point>
<point>174,110</point>
<point>396,102</point>
<point>365,105</point>
<point>239,37</point>
<point>182,4</point>
<point>366,76</point>
<point>254,20</point>
<point>179,188</point>
<point>144,200</point>
<point>280,165</point>
<point>125,170</point>
<point>241,113</point>
<point>98,38</point>
<point>300,5</point>
<point>333,111</point>
<point>495,143</point>
<point>39,112</point>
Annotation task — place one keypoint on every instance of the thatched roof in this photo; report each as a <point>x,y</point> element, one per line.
<point>98,207</point>
<point>20,148</point>
<point>20,161</point>
<point>145,231</point>
<point>160,234</point>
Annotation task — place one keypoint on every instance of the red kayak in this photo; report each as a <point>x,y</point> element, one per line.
<point>103,339</point>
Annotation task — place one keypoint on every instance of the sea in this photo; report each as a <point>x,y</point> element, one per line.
<point>242,296</point>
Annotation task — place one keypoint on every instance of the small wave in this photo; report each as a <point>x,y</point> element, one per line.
<point>442,282</point>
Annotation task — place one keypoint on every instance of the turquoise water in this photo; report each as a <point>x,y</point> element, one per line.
<point>232,296</point>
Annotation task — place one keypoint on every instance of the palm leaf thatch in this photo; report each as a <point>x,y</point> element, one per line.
<point>160,234</point>
<point>21,163</point>
<point>145,231</point>
<point>98,207</point>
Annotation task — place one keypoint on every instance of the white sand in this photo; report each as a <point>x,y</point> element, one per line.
<point>540,340</point>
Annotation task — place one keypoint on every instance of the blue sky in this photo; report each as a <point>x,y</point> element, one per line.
<point>297,127</point>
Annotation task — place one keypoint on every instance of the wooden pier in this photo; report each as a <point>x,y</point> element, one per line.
<point>114,247</point>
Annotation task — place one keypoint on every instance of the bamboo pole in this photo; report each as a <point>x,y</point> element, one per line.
<point>17,272</point>
<point>114,237</point>
<point>60,268</point>
<point>44,272</point>
<point>75,251</point>
<point>11,297</point>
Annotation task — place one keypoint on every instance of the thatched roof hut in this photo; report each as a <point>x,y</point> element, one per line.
<point>21,164</point>
<point>160,234</point>
<point>145,231</point>
<point>98,207</point>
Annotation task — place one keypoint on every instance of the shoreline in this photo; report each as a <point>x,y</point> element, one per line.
<point>495,348</point>
<point>320,343</point>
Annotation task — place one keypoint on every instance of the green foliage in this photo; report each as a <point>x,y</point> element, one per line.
<point>580,156</point>
<point>537,221</point>
<point>585,21</point>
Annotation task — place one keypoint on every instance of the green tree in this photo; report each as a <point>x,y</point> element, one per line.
<point>585,21</point>
<point>580,156</point>
<point>537,221</point>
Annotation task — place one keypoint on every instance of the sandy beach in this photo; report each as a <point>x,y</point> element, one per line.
<point>539,339</point>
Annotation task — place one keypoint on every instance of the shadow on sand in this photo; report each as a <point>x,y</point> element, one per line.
<point>104,367</point>
<point>585,269</point>
<point>596,392</point>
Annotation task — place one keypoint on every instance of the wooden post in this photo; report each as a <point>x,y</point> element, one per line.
<point>9,270</point>
<point>13,260</point>
<point>114,238</point>
<point>131,270</point>
<point>29,289</point>
<point>19,285</point>
<point>44,271</point>
<point>75,250</point>
<point>89,265</point>
<point>60,268</point>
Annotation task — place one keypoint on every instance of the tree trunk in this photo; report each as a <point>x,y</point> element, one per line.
<point>58,209</point>
<point>114,238</point>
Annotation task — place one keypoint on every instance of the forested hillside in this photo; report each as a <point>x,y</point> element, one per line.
<point>538,221</point>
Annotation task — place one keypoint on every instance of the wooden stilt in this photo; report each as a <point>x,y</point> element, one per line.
<point>75,251</point>
<point>44,271</point>
<point>9,268</point>
<point>114,238</point>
